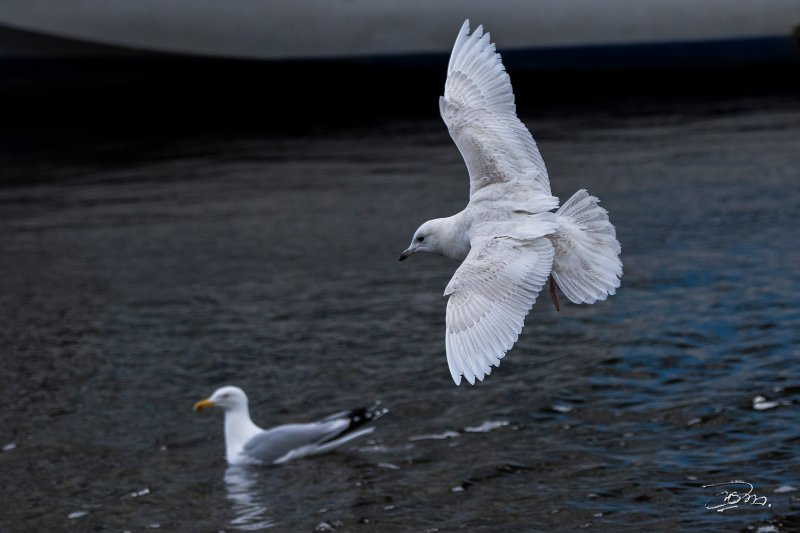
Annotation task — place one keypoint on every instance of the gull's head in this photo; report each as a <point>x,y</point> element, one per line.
<point>427,238</point>
<point>229,398</point>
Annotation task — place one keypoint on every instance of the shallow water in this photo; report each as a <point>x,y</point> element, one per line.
<point>139,274</point>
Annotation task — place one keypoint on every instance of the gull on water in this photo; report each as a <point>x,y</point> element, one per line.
<point>508,239</point>
<point>246,443</point>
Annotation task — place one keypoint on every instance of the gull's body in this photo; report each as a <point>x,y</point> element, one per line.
<point>246,443</point>
<point>508,238</point>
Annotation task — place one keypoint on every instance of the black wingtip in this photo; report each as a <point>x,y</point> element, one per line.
<point>364,415</point>
<point>361,417</point>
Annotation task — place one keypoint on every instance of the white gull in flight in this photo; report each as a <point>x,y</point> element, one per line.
<point>510,241</point>
<point>246,443</point>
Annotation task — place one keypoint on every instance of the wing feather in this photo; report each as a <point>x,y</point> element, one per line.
<point>489,296</point>
<point>479,111</point>
<point>272,444</point>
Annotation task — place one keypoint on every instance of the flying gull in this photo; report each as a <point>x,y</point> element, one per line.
<point>510,241</point>
<point>246,443</point>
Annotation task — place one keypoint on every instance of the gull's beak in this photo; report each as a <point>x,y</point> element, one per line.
<point>405,254</point>
<point>203,404</point>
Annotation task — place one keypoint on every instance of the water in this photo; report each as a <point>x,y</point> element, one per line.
<point>137,274</point>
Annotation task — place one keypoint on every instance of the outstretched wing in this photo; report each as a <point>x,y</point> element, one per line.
<point>283,443</point>
<point>490,295</point>
<point>478,108</point>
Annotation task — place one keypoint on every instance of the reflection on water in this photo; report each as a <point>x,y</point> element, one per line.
<point>247,504</point>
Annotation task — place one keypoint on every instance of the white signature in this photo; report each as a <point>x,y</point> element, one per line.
<point>730,499</point>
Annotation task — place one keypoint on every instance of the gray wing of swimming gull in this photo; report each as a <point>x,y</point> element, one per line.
<point>274,444</point>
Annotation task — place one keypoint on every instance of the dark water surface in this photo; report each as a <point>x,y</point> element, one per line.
<point>138,274</point>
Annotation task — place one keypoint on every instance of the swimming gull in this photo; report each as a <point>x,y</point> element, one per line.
<point>510,241</point>
<point>246,443</point>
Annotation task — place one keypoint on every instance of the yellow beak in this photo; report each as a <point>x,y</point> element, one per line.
<point>203,404</point>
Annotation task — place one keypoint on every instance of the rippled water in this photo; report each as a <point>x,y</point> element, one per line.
<point>138,274</point>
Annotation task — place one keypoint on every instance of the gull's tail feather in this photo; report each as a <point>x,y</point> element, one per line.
<point>586,266</point>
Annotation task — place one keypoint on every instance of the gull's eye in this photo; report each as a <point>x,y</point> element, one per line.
<point>226,395</point>
<point>420,238</point>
